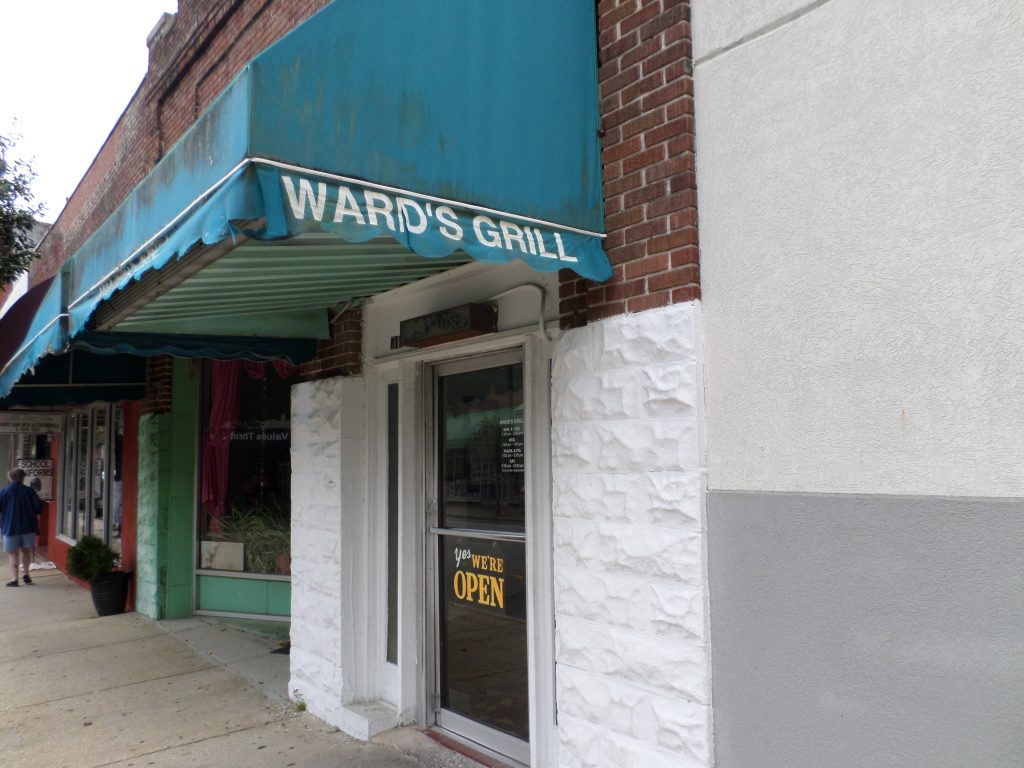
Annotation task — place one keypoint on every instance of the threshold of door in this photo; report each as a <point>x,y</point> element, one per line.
<point>471,749</point>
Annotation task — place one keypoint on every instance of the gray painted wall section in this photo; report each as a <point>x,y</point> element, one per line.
<point>866,630</point>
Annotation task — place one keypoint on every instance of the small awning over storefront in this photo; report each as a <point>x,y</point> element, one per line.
<point>361,152</point>
<point>78,377</point>
<point>32,328</point>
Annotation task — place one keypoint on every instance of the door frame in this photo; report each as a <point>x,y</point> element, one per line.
<point>504,744</point>
<point>534,350</point>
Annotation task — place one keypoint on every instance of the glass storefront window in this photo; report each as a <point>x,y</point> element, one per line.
<point>91,474</point>
<point>245,469</point>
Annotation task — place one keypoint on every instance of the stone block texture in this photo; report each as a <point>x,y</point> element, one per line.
<point>648,165</point>
<point>632,658</point>
<point>328,474</point>
<point>148,589</point>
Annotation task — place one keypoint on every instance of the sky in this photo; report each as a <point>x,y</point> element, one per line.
<point>77,65</point>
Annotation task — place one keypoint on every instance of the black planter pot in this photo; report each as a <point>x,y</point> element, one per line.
<point>110,593</point>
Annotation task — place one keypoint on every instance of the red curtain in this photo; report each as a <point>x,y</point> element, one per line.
<point>257,370</point>
<point>217,445</point>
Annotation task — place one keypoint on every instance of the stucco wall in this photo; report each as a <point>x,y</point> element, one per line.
<point>859,174</point>
<point>852,631</point>
<point>632,670</point>
<point>860,193</point>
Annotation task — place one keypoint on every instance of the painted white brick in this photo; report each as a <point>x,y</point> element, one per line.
<point>330,514</point>
<point>584,745</point>
<point>670,391</point>
<point>576,351</point>
<point>615,394</point>
<point>673,498</point>
<point>646,338</point>
<point>632,664</point>
<point>671,609</point>
<point>573,445</point>
<point>671,668</point>
<point>659,552</point>
<point>645,446</point>
<point>682,727</point>
<point>318,493</point>
<point>607,497</point>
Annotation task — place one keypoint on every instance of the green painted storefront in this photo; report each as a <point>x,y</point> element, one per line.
<point>167,585</point>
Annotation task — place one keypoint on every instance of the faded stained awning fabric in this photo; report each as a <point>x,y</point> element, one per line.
<point>454,131</point>
<point>33,328</point>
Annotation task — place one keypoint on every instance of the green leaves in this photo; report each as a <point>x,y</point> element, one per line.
<point>90,558</point>
<point>17,214</point>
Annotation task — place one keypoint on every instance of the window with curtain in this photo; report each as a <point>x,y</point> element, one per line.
<point>245,468</point>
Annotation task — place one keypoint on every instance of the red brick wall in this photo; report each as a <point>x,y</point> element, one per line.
<point>342,354</point>
<point>191,60</point>
<point>650,186</point>
<point>159,375</point>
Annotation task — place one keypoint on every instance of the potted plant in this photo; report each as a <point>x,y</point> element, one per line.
<point>265,530</point>
<point>91,560</point>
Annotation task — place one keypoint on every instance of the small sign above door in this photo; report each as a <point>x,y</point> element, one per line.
<point>451,324</point>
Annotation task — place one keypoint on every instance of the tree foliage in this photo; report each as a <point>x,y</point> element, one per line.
<point>17,214</point>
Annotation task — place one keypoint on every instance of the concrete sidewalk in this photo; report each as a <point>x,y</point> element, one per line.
<point>125,691</point>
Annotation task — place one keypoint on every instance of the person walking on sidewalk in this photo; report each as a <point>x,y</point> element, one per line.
<point>20,506</point>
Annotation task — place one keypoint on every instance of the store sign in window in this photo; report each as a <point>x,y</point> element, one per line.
<point>512,443</point>
<point>30,424</point>
<point>486,575</point>
<point>39,474</point>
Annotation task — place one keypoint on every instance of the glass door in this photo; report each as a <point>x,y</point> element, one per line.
<point>480,538</point>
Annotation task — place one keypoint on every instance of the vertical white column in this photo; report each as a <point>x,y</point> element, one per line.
<point>632,660</point>
<point>329,547</point>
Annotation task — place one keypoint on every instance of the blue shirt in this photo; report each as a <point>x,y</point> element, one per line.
<point>19,510</point>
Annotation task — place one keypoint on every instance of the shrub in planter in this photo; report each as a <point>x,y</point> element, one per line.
<point>93,561</point>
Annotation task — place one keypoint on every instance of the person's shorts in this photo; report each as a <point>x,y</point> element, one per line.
<point>18,540</point>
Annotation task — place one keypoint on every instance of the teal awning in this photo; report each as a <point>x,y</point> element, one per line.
<point>458,129</point>
<point>413,140</point>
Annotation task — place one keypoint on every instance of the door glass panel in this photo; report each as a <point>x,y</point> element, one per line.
<point>482,611</point>
<point>69,459</point>
<point>117,459</point>
<point>482,478</point>
<point>82,477</point>
<point>97,507</point>
<point>483,632</point>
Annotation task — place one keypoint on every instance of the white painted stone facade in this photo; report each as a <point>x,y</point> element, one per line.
<point>633,670</point>
<point>329,509</point>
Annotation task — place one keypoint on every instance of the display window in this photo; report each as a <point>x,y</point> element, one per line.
<point>91,476</point>
<point>244,509</point>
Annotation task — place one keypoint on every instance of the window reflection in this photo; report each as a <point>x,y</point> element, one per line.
<point>91,498</point>
<point>245,468</point>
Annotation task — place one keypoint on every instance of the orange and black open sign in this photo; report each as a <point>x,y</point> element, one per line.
<point>485,574</point>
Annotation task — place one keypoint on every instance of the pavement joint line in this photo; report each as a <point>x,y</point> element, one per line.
<point>75,650</point>
<point>143,755</point>
<point>124,685</point>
